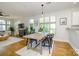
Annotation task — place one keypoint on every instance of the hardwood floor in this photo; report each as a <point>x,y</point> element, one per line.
<point>63,49</point>
<point>11,49</point>
<point>60,49</point>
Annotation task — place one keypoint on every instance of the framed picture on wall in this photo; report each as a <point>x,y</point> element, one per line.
<point>63,21</point>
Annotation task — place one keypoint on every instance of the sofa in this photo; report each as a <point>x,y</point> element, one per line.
<point>4,37</point>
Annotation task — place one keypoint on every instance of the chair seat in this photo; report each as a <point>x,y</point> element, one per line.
<point>32,41</point>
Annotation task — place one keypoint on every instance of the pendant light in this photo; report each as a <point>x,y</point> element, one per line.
<point>42,5</point>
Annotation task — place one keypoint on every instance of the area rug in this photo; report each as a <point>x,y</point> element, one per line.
<point>9,41</point>
<point>33,52</point>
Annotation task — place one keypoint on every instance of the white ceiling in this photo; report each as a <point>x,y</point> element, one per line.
<point>25,9</point>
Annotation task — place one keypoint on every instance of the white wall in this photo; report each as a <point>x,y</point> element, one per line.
<point>61,32</point>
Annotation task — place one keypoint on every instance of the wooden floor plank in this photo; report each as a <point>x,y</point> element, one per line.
<point>11,49</point>
<point>63,49</point>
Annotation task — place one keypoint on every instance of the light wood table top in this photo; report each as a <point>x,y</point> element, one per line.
<point>38,36</point>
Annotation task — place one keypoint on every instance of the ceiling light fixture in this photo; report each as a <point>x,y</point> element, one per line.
<point>42,5</point>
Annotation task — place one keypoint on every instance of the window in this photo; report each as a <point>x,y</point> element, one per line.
<point>8,25</point>
<point>41,20</point>
<point>2,28</point>
<point>31,21</point>
<point>48,24</point>
<point>31,27</point>
<point>46,19</point>
<point>52,19</point>
<point>4,24</point>
<point>52,26</point>
<point>8,22</point>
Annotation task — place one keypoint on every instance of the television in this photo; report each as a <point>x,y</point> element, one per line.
<point>21,25</point>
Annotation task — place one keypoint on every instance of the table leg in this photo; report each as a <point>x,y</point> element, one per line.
<point>27,43</point>
<point>41,47</point>
<point>49,49</point>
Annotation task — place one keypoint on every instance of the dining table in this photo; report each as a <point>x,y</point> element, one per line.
<point>38,36</point>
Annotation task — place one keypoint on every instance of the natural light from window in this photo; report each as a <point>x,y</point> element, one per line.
<point>4,25</point>
<point>48,24</point>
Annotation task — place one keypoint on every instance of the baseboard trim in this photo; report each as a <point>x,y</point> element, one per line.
<point>61,40</point>
<point>75,49</point>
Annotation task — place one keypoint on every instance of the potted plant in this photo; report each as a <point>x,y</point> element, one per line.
<point>26,30</point>
<point>40,29</point>
<point>32,30</point>
<point>12,30</point>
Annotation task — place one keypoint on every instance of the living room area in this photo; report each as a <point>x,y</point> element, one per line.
<point>39,28</point>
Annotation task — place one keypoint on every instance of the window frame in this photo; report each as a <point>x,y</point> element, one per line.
<point>6,25</point>
<point>49,23</point>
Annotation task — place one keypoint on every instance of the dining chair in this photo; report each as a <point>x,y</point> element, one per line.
<point>47,42</point>
<point>33,41</point>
